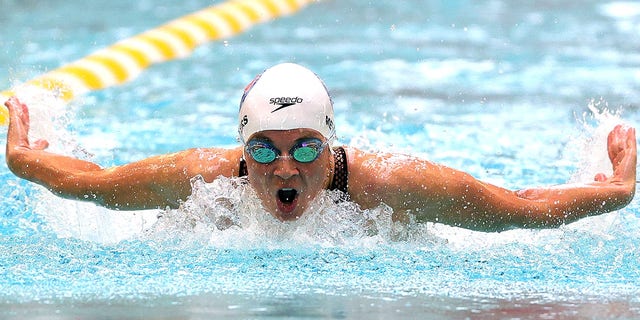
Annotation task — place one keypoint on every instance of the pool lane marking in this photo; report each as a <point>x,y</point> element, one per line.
<point>127,58</point>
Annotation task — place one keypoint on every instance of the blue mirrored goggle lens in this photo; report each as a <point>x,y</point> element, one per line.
<point>304,152</point>
<point>263,154</point>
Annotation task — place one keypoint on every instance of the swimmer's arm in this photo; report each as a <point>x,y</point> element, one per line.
<point>441,194</point>
<point>155,182</point>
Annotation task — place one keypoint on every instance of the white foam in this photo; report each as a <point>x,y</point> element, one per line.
<point>86,221</point>
<point>590,146</point>
<point>227,213</point>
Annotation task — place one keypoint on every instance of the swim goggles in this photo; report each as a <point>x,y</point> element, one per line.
<point>303,151</point>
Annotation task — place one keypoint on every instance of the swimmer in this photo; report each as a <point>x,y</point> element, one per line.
<point>287,155</point>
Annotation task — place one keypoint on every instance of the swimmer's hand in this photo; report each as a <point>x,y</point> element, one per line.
<point>29,160</point>
<point>604,194</point>
<point>18,134</point>
<point>621,145</point>
<point>20,152</point>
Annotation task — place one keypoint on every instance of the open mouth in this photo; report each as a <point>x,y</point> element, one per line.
<point>287,199</point>
<point>287,195</point>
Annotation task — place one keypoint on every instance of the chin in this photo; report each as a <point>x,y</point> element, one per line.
<point>289,216</point>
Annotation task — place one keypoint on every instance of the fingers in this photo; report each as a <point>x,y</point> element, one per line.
<point>11,100</point>
<point>631,138</point>
<point>615,143</point>
<point>18,111</point>
<point>16,127</point>
<point>622,153</point>
<point>18,132</point>
<point>14,104</point>
<point>621,138</point>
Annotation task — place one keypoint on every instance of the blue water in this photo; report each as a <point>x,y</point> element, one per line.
<point>513,92</point>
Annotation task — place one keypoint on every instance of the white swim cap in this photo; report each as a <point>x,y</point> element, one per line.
<point>286,96</point>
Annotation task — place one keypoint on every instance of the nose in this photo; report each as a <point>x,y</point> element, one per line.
<point>286,168</point>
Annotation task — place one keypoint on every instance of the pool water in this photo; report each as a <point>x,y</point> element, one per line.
<point>518,94</point>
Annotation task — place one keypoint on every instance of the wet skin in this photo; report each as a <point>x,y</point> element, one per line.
<point>429,191</point>
<point>272,181</point>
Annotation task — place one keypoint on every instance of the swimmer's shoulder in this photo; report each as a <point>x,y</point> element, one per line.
<point>363,166</point>
<point>366,176</point>
<point>383,166</point>
<point>360,159</point>
<point>382,176</point>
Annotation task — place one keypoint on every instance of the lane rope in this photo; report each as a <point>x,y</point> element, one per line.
<point>126,59</point>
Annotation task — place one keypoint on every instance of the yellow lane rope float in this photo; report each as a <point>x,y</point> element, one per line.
<point>126,59</point>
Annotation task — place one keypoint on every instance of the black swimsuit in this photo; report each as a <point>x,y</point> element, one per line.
<point>340,174</point>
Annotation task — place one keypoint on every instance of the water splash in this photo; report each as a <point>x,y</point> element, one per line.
<point>50,118</point>
<point>590,146</point>
<point>227,213</point>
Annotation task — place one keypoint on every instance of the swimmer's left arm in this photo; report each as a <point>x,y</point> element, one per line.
<point>440,194</point>
<point>430,192</point>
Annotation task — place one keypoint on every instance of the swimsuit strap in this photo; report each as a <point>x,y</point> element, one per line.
<point>243,168</point>
<point>340,173</point>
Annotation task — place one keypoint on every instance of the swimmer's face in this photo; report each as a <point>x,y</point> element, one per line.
<point>286,186</point>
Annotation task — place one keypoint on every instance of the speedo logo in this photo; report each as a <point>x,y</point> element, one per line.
<point>284,102</point>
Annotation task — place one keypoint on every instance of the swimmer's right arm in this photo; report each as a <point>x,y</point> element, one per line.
<point>156,182</point>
